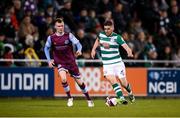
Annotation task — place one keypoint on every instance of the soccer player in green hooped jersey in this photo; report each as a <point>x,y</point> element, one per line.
<point>113,66</point>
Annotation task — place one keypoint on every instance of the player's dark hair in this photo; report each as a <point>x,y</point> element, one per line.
<point>108,23</point>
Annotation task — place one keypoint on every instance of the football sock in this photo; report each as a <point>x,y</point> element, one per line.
<point>128,89</point>
<point>118,90</point>
<point>84,90</point>
<point>67,89</point>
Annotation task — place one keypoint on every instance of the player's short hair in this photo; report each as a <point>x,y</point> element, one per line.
<point>59,20</point>
<point>108,23</point>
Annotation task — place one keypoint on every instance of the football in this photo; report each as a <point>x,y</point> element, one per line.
<point>110,102</point>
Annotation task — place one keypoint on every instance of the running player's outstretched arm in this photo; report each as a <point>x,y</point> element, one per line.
<point>128,50</point>
<point>47,52</point>
<point>96,44</point>
<point>121,42</point>
<point>75,41</point>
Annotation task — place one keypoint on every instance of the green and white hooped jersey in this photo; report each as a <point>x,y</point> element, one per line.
<point>110,55</point>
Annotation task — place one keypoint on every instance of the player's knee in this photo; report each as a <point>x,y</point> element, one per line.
<point>64,80</point>
<point>79,82</point>
<point>112,81</point>
<point>124,84</point>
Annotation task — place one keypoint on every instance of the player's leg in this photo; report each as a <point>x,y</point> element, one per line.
<point>62,74</point>
<point>121,75</point>
<point>127,87</point>
<point>85,91</point>
<point>116,87</point>
<point>74,71</point>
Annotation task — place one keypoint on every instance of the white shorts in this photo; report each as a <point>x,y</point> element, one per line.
<point>115,69</point>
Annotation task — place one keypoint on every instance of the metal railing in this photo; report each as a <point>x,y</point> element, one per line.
<point>128,61</point>
<point>94,60</point>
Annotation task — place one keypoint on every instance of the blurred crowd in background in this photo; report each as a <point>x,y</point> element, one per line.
<point>150,27</point>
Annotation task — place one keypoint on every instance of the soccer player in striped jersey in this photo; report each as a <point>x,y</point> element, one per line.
<point>113,66</point>
<point>63,57</point>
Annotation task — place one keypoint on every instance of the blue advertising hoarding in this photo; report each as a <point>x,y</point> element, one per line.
<point>26,82</point>
<point>163,82</point>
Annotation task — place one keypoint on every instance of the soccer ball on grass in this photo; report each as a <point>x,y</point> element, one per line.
<point>110,102</point>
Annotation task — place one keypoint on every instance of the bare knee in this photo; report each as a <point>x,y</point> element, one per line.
<point>78,81</point>
<point>63,76</point>
<point>63,80</point>
<point>111,79</point>
<point>123,82</point>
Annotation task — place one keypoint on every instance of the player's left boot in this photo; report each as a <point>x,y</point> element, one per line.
<point>131,98</point>
<point>90,103</point>
<point>122,101</point>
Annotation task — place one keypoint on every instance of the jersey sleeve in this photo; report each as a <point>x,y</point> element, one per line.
<point>73,39</point>
<point>120,40</point>
<point>48,42</point>
<point>98,36</point>
<point>47,48</point>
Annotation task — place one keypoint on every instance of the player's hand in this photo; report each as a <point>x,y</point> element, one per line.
<point>130,54</point>
<point>51,64</point>
<point>93,52</point>
<point>78,53</point>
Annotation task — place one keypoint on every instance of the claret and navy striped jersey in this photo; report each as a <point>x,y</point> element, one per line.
<point>110,55</point>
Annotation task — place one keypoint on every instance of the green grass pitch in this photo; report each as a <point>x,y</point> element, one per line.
<point>26,107</point>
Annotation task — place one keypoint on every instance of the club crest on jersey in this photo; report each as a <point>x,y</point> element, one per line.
<point>66,42</point>
<point>112,39</point>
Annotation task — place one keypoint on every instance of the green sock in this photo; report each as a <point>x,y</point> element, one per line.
<point>117,90</point>
<point>128,89</point>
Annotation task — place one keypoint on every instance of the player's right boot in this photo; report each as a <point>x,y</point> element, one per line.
<point>90,103</point>
<point>70,102</point>
<point>131,98</point>
<point>122,101</point>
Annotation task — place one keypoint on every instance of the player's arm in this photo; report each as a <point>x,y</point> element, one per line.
<point>76,42</point>
<point>96,44</point>
<point>128,50</point>
<point>47,52</point>
<point>121,41</point>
